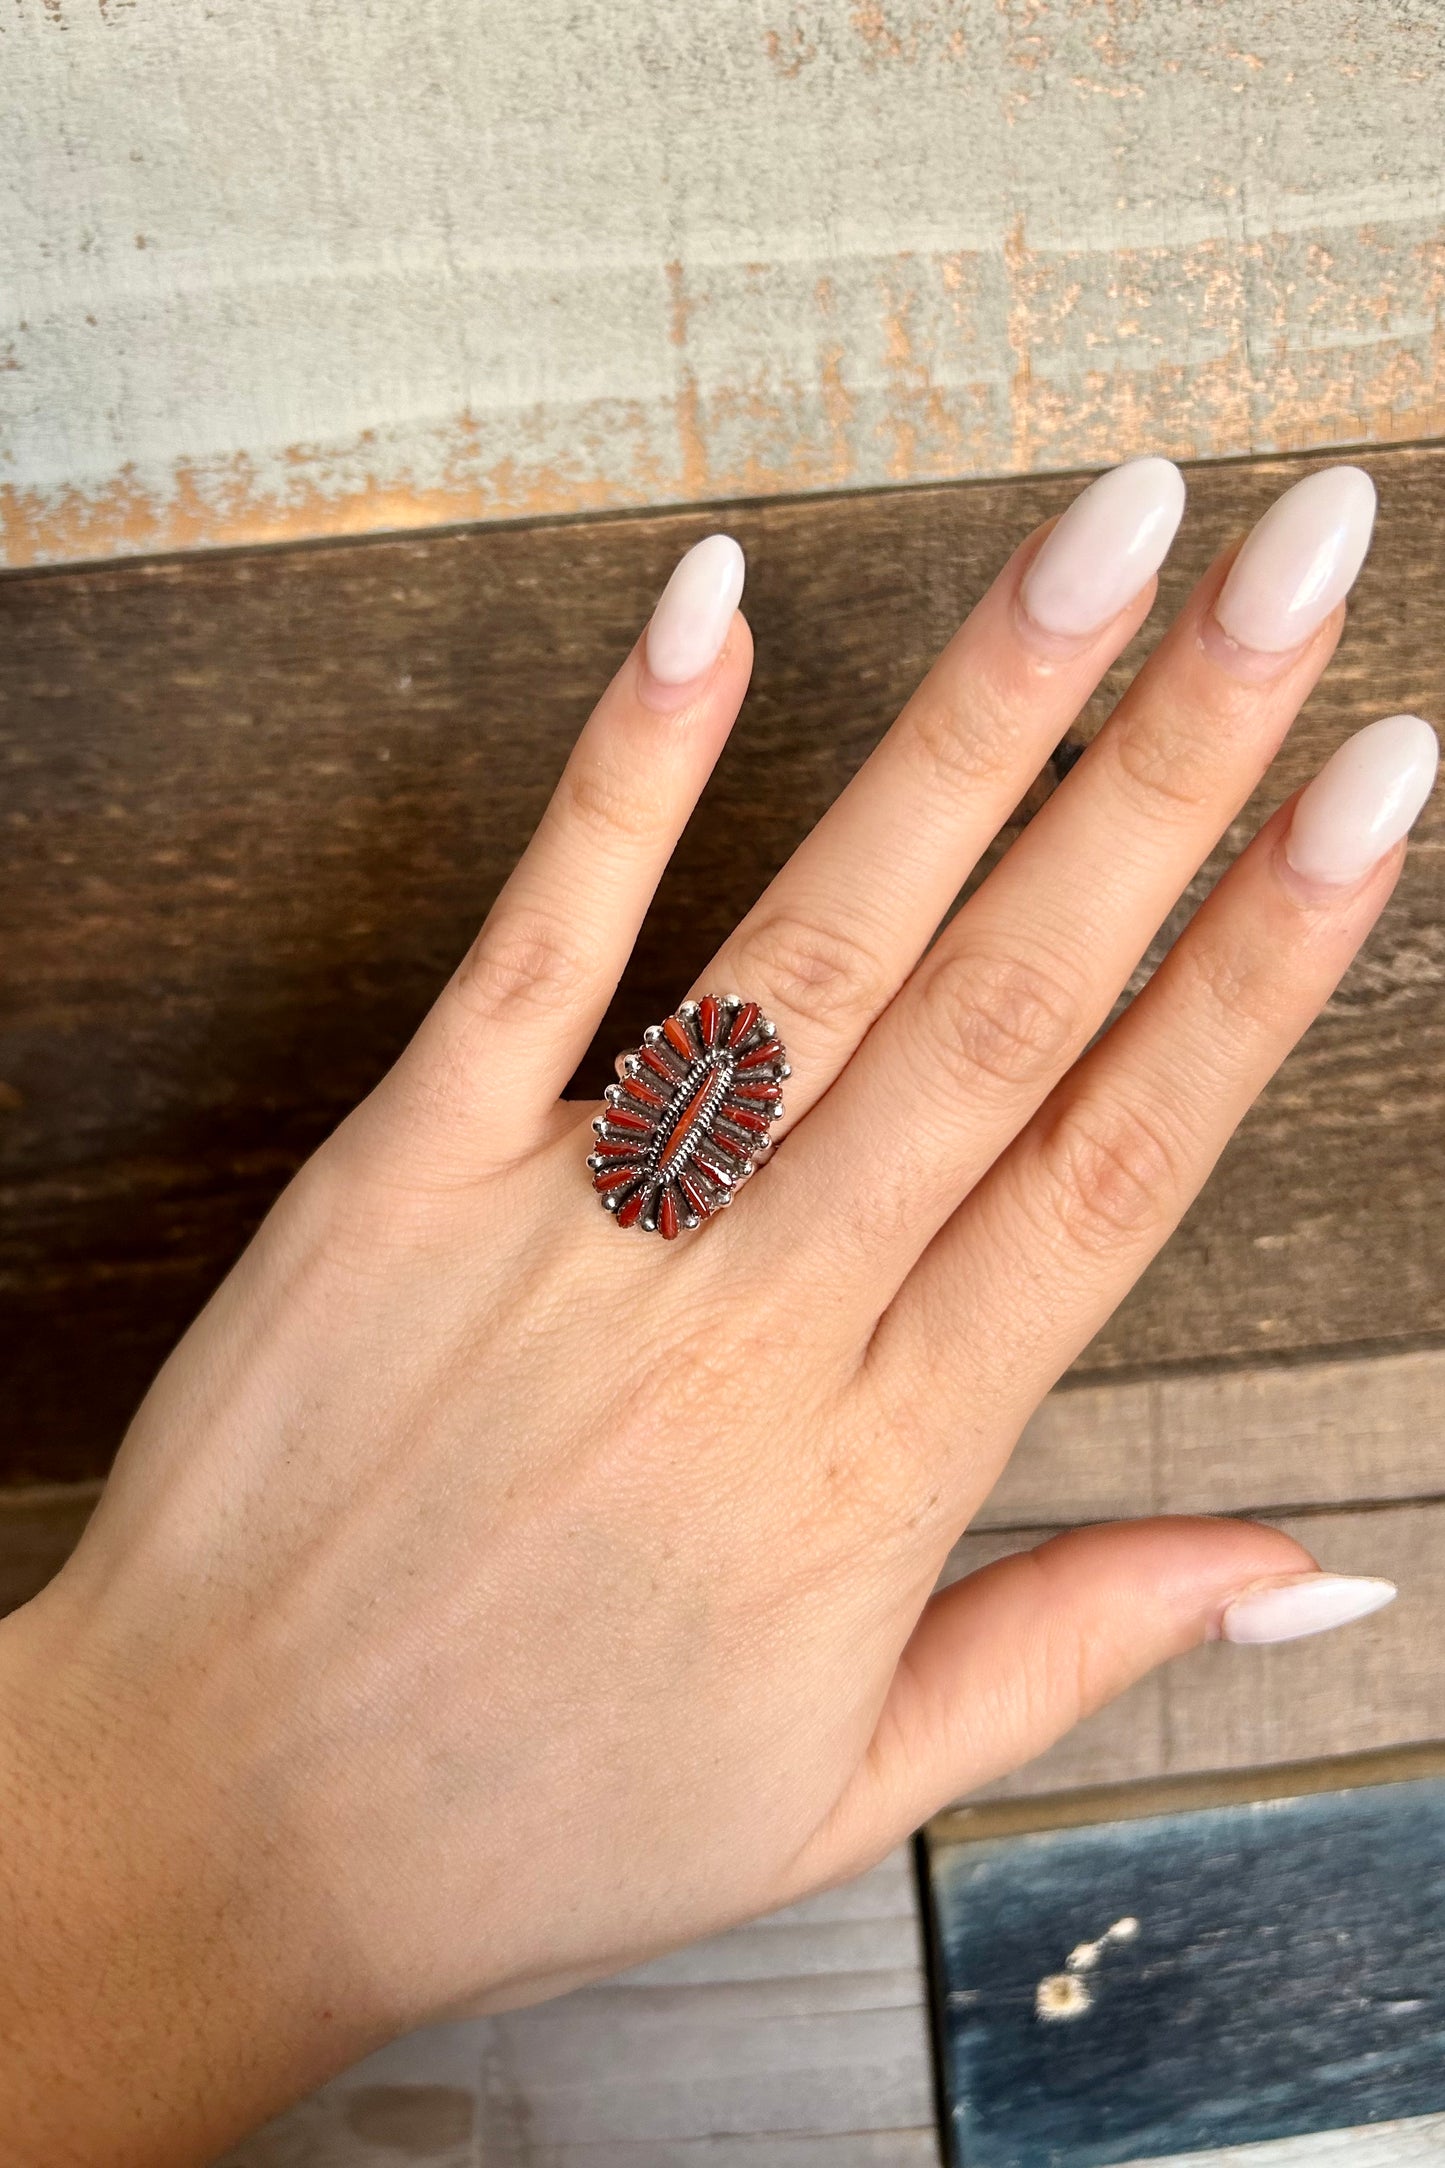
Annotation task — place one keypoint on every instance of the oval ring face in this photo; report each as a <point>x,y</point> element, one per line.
<point>690,1115</point>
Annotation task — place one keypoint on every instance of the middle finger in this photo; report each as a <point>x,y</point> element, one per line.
<point>832,939</point>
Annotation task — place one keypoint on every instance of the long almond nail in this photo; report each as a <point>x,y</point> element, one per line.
<point>1111,539</point>
<point>1307,1603</point>
<point>1299,562</point>
<point>1365,798</point>
<point>694,611</point>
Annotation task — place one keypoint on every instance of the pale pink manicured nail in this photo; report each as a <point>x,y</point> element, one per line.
<point>694,611</point>
<point>1299,561</point>
<point>1111,539</point>
<point>1307,1603</point>
<point>1364,799</point>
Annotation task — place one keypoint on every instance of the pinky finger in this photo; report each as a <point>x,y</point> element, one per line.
<point>1102,1175</point>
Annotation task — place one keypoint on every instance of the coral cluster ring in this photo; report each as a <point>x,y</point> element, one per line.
<point>689,1117</point>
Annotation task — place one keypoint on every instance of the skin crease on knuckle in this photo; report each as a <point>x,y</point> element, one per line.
<point>963,751</point>
<point>1107,1175</point>
<point>610,804</point>
<point>997,1020</point>
<point>527,962</point>
<point>821,973</point>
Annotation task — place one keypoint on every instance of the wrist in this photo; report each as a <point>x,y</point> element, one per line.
<point>159,1998</point>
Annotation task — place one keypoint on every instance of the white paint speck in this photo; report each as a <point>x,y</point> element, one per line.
<point>1061,1996</point>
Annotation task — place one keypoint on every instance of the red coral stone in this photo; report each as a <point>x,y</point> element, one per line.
<point>729,1145</point>
<point>770,1050</point>
<point>675,1035</point>
<point>636,1125</point>
<point>693,1190</point>
<point>707,1020</point>
<point>743,1023</point>
<point>630,1213</point>
<point>657,1065</point>
<point>746,1118</point>
<point>608,1178</point>
<point>647,1093</point>
<point>765,1090</point>
<point>667,1217</point>
<point>610,1148</point>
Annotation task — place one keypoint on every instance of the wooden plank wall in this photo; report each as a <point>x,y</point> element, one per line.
<point>288,272</point>
<point>258,803</point>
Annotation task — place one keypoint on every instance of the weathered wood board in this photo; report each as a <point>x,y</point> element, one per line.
<point>1418,2142</point>
<point>1219,1975</point>
<point>255,805</point>
<point>269,272</point>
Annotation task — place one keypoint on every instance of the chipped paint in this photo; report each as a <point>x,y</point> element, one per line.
<point>383,270</point>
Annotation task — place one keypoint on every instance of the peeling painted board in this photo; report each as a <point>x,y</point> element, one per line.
<point>1118,1991</point>
<point>1257,1439</point>
<point>271,272</point>
<point>259,803</point>
<point>796,2041</point>
<point>1376,1685</point>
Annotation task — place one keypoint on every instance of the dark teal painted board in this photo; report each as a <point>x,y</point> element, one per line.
<point>1287,1975</point>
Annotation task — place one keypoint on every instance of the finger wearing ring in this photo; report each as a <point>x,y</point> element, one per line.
<point>690,1116</point>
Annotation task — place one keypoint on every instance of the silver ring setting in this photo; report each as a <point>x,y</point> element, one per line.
<point>690,1117</point>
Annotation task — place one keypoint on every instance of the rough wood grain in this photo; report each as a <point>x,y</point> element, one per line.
<point>800,2041</point>
<point>295,271</point>
<point>1258,1439</point>
<point>255,806</point>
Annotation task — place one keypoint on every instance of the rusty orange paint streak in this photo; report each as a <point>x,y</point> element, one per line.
<point>773,431</point>
<point>691,442</point>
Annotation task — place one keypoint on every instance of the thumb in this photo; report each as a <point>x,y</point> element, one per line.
<point>1000,1665</point>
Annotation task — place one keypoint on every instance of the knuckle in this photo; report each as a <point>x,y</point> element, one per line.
<point>1165,768</point>
<point>825,973</point>
<point>1234,983</point>
<point>959,752</point>
<point>526,965</point>
<point>1112,1176</point>
<point>998,1017</point>
<point>607,803</point>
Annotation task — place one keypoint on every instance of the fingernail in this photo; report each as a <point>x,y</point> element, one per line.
<point>694,611</point>
<point>1112,538</point>
<point>1307,1603</point>
<point>1299,561</point>
<point>1364,799</point>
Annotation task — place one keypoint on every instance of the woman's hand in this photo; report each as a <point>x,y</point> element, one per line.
<point>486,1597</point>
